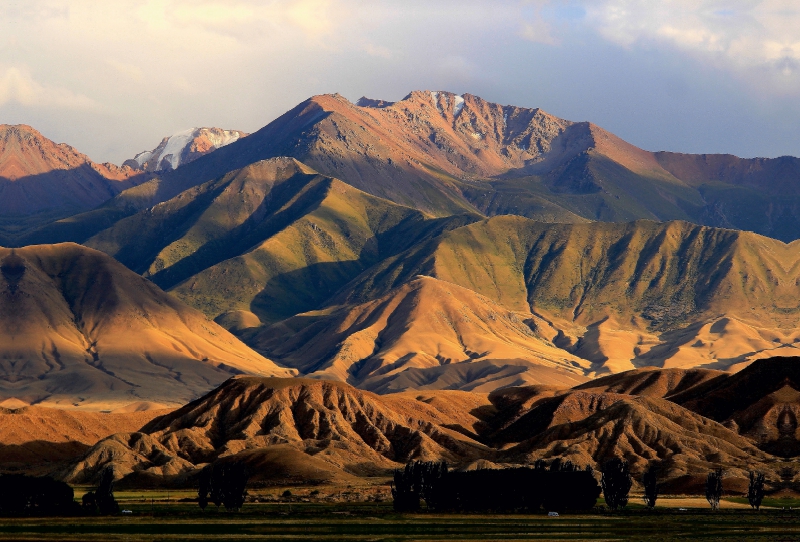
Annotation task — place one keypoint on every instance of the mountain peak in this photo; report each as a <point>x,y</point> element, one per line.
<point>24,151</point>
<point>183,147</point>
<point>38,175</point>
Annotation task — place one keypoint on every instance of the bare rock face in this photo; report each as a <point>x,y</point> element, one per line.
<point>40,176</point>
<point>340,430</point>
<point>182,148</point>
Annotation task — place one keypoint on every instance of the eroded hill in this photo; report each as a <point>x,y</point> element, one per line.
<point>301,430</point>
<point>307,430</point>
<point>78,329</point>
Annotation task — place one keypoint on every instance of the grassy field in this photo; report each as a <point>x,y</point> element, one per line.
<point>153,518</point>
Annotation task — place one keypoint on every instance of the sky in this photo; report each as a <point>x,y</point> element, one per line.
<point>113,78</point>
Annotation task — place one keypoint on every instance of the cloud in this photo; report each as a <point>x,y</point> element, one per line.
<point>377,51</point>
<point>742,35</point>
<point>17,86</point>
<point>240,20</point>
<point>535,27</point>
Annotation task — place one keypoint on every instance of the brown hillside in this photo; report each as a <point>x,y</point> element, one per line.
<point>653,382</point>
<point>433,326</point>
<point>79,329</point>
<point>762,401</point>
<point>328,426</point>
<point>37,438</point>
<point>301,430</point>
<point>641,430</point>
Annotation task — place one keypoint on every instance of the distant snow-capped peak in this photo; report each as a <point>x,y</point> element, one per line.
<point>183,147</point>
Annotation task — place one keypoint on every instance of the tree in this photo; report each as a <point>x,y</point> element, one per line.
<point>714,488</point>
<point>418,480</point>
<point>204,490</point>
<point>31,495</point>
<point>650,484</point>
<point>755,491</point>
<point>89,503</point>
<point>224,484</point>
<point>405,492</point>
<point>616,482</point>
<point>104,494</point>
<point>234,483</point>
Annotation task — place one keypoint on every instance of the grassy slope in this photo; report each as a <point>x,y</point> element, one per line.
<point>634,294</point>
<point>274,239</point>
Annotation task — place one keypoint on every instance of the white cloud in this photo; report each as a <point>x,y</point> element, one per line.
<point>131,71</point>
<point>739,35</point>
<point>17,86</point>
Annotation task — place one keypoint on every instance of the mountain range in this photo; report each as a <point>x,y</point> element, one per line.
<point>454,279</point>
<point>374,243</point>
<point>41,181</point>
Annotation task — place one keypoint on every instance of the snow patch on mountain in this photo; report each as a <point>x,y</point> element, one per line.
<point>226,137</point>
<point>174,148</point>
<point>458,105</point>
<point>143,157</point>
<point>183,147</point>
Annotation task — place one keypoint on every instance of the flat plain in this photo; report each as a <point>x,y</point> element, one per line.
<point>154,518</point>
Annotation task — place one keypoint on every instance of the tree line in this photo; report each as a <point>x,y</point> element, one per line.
<point>23,495</point>
<point>558,486</point>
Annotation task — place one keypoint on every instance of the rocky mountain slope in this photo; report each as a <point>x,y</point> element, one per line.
<point>41,180</point>
<point>307,429</point>
<point>443,154</point>
<point>78,329</point>
<point>182,148</point>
